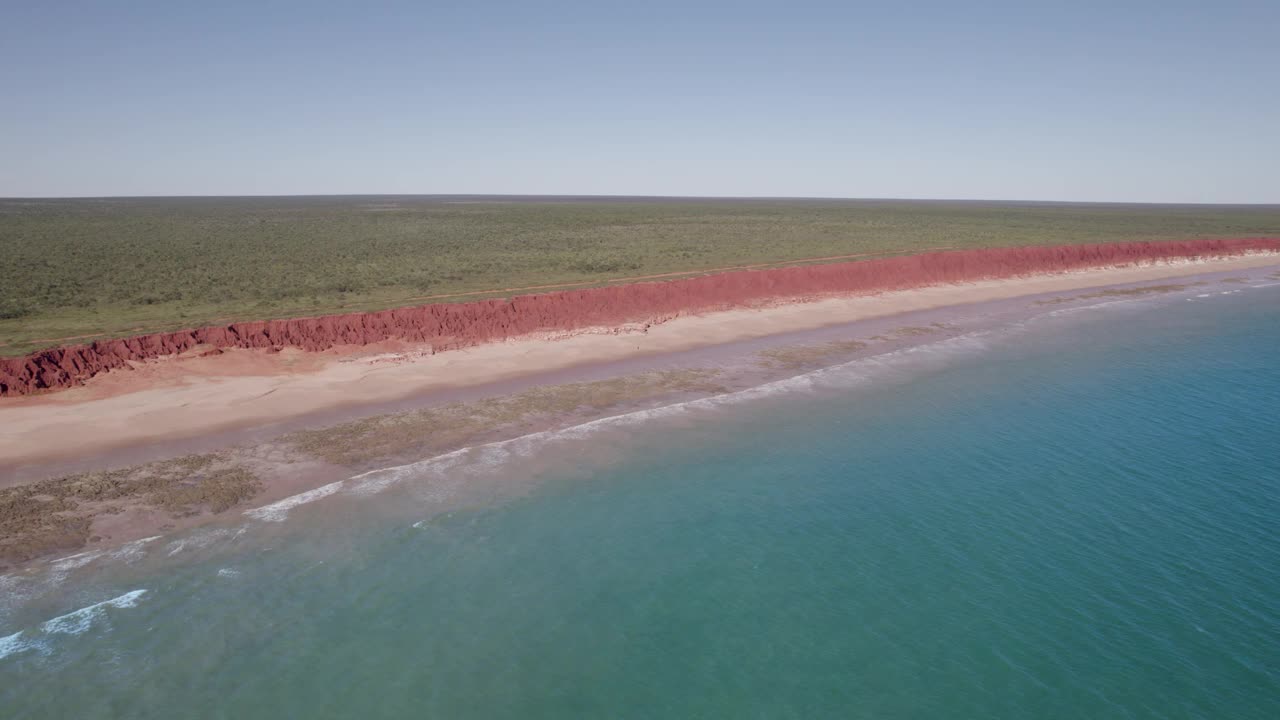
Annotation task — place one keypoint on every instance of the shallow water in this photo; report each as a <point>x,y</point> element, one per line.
<point>1072,517</point>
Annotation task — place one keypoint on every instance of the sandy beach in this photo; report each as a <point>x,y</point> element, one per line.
<point>188,440</point>
<point>188,396</point>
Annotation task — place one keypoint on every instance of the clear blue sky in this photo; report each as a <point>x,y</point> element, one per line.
<point>1127,101</point>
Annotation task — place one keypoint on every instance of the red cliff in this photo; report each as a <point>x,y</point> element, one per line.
<point>454,325</point>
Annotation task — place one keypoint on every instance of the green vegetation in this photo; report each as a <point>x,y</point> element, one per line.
<point>91,268</point>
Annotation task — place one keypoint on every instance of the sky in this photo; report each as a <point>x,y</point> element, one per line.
<point>1077,101</point>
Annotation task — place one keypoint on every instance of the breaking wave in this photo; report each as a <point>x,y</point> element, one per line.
<point>450,470</point>
<point>76,622</point>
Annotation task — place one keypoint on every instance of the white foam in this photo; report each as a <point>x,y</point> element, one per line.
<point>132,551</point>
<point>200,539</point>
<point>1096,306</point>
<point>73,623</point>
<point>60,569</point>
<point>79,621</point>
<point>17,590</point>
<point>72,562</point>
<point>15,644</point>
<point>228,573</point>
<point>9,584</point>
<point>279,511</point>
<point>480,458</point>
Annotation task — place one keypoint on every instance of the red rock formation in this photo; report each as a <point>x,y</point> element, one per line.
<point>453,325</point>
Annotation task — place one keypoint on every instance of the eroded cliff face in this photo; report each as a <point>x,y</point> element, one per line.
<point>448,326</point>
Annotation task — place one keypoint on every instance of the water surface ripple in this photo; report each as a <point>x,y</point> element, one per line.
<point>1073,519</point>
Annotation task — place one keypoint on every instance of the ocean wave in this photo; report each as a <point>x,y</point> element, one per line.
<point>201,539</point>
<point>902,362</point>
<point>449,469</point>
<point>71,562</point>
<point>1136,301</point>
<point>79,621</point>
<point>14,644</point>
<point>279,511</point>
<point>132,551</point>
<point>20,589</point>
<point>14,590</point>
<point>61,568</point>
<point>76,622</point>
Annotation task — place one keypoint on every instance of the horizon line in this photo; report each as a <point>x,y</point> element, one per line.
<point>589,197</point>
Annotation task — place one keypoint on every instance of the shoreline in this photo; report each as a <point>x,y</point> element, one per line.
<point>687,359</point>
<point>185,396</point>
<point>454,326</point>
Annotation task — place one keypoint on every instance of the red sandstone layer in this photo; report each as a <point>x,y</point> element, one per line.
<point>455,325</point>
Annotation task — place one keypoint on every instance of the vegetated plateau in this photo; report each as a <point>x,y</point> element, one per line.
<point>76,270</point>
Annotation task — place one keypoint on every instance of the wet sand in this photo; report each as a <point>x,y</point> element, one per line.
<point>264,426</point>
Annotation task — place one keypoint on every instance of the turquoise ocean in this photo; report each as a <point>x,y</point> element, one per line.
<point>1075,516</point>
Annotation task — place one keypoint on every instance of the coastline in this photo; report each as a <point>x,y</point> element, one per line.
<point>185,396</point>
<point>453,326</point>
<point>490,390</point>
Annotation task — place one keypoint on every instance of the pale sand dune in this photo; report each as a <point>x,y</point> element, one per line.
<point>193,396</point>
